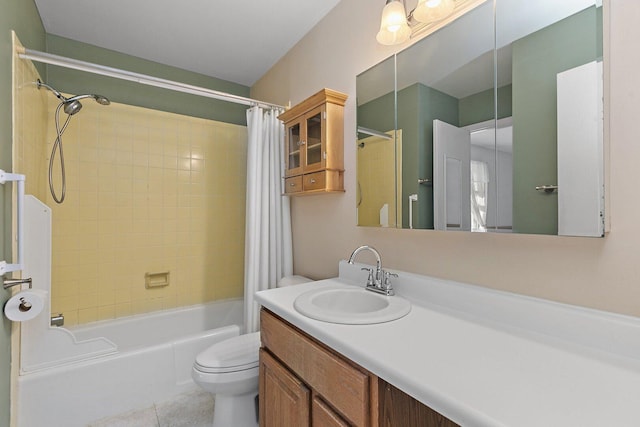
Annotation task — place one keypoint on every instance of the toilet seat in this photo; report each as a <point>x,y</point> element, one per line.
<point>232,355</point>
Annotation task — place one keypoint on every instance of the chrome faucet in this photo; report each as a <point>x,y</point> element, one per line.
<point>380,281</point>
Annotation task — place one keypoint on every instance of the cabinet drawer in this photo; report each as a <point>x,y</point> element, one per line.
<point>314,181</point>
<point>343,386</point>
<point>293,184</point>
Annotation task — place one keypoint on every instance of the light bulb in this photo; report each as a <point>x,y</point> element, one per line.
<point>394,28</point>
<point>433,10</point>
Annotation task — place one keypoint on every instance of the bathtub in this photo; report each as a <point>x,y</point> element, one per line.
<point>152,362</point>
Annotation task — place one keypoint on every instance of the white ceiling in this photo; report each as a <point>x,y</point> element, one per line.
<point>233,40</point>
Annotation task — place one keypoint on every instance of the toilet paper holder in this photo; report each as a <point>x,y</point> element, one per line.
<point>24,304</point>
<point>8,283</point>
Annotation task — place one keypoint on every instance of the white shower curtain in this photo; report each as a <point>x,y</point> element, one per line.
<point>479,195</point>
<point>268,248</point>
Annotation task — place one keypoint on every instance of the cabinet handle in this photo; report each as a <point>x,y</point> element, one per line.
<point>292,184</point>
<point>312,181</point>
<point>302,142</point>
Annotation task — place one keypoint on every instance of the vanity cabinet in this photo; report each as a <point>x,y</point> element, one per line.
<point>314,152</point>
<point>399,409</point>
<point>305,383</point>
<point>338,392</point>
<point>286,399</point>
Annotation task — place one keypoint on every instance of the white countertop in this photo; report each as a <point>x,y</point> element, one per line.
<point>488,358</point>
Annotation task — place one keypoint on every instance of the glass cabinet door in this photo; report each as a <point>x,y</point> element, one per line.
<point>314,143</point>
<point>294,145</point>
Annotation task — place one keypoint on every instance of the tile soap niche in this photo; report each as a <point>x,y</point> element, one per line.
<point>156,280</point>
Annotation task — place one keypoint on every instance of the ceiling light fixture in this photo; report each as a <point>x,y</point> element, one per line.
<point>395,22</point>
<point>433,10</point>
<point>394,25</point>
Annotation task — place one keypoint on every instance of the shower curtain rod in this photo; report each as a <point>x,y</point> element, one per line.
<point>48,58</point>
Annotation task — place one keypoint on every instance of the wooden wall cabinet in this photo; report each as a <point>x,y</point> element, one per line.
<point>304,383</point>
<point>314,149</point>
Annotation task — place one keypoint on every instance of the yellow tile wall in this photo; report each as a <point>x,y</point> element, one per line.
<point>147,191</point>
<point>377,164</point>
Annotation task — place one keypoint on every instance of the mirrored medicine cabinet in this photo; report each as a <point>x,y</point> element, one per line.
<point>491,123</point>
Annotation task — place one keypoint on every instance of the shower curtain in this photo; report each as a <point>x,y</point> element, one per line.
<point>268,248</point>
<point>479,195</point>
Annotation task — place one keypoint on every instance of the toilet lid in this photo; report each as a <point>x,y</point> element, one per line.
<point>233,354</point>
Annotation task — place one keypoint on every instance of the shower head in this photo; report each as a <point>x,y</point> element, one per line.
<point>102,100</point>
<point>72,105</point>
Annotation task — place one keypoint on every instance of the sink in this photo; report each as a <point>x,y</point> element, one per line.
<point>350,305</point>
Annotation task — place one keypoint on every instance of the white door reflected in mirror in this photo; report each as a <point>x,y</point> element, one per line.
<point>580,151</point>
<point>451,177</point>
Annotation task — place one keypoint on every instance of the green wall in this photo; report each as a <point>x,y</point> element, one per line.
<point>537,59</point>
<point>409,120</point>
<point>378,114</point>
<point>433,105</point>
<point>478,107</point>
<point>76,82</point>
<point>22,17</point>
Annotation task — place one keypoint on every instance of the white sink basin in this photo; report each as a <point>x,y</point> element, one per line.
<point>350,305</point>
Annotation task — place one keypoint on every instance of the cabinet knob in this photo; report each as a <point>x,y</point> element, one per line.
<point>313,181</point>
<point>292,184</point>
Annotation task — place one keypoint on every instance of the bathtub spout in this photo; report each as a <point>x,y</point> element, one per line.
<point>57,320</point>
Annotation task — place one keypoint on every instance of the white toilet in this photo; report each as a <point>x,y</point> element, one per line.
<point>229,369</point>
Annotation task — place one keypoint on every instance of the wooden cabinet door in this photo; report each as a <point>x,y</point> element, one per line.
<point>339,382</point>
<point>399,409</point>
<point>323,416</point>
<point>284,400</point>
<point>314,140</point>
<point>295,144</point>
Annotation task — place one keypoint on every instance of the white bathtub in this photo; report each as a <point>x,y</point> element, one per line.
<point>155,353</point>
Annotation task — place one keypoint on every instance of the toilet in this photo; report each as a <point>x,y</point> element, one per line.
<point>229,369</point>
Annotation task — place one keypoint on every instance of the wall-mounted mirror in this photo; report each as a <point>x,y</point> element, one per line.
<point>488,130</point>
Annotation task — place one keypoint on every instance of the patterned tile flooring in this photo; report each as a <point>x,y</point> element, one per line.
<point>193,409</point>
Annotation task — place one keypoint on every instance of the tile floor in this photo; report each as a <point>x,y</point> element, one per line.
<point>193,409</point>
